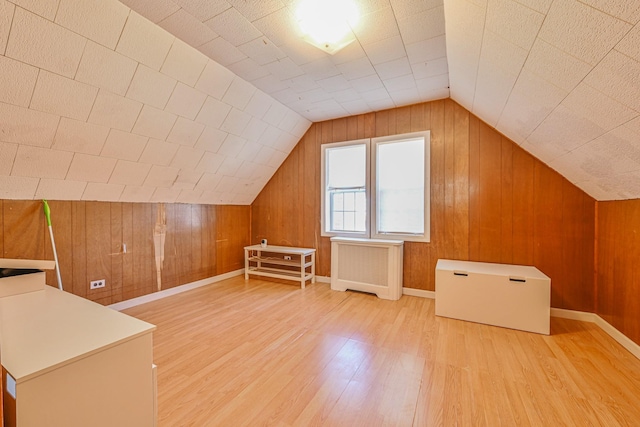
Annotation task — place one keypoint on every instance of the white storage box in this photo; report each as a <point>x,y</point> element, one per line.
<point>511,296</point>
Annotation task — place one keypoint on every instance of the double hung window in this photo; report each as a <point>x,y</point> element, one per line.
<point>377,188</point>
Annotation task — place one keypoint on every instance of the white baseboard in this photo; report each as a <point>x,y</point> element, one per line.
<point>622,339</point>
<point>418,293</point>
<point>119,306</point>
<point>573,315</point>
<point>323,279</point>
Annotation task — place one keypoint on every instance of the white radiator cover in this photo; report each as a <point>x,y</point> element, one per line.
<point>367,265</point>
<point>511,296</point>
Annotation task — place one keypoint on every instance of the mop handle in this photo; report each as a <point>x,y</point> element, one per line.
<point>47,214</point>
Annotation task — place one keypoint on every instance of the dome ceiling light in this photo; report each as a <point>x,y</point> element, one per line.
<point>328,24</point>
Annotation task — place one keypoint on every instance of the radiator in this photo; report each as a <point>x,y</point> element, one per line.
<point>367,265</point>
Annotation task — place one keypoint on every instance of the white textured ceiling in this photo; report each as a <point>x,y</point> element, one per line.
<point>98,103</point>
<point>195,101</point>
<point>398,58</point>
<point>559,77</point>
<point>201,100</point>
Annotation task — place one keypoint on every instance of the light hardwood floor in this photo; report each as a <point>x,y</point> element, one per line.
<point>263,353</point>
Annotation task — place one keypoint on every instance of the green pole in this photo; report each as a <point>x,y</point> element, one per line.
<point>47,214</point>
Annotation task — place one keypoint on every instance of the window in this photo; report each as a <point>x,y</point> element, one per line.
<point>377,188</point>
<point>345,178</point>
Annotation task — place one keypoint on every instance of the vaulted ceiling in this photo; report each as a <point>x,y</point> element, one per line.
<point>559,77</point>
<point>200,101</point>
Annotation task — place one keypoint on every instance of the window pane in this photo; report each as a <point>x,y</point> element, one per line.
<point>361,218</point>
<point>400,186</point>
<point>346,166</point>
<point>337,221</point>
<point>349,220</point>
<point>361,202</point>
<point>348,212</point>
<point>349,201</point>
<point>338,201</point>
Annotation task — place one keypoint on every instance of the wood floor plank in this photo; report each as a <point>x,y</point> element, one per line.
<point>270,354</point>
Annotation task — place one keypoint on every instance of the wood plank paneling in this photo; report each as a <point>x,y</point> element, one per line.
<point>474,188</point>
<point>231,239</point>
<point>117,265</point>
<point>310,200</point>
<point>207,241</point>
<point>461,183</point>
<point>548,242</point>
<point>90,237</point>
<point>608,229</point>
<point>489,195</point>
<point>352,128</point>
<point>403,120</point>
<point>630,307</point>
<point>418,119</point>
<point>577,226</point>
<point>382,123</point>
<point>127,258</point>
<point>490,200</point>
<point>182,242</point>
<point>24,229</point>
<point>437,188</point>
<point>506,201</point>
<point>212,247</point>
<point>448,250</point>
<point>589,252</point>
<point>98,247</point>
<point>618,282</point>
<point>522,207</point>
<point>323,257</point>
<point>339,130</point>
<point>288,229</point>
<point>79,239</point>
<point>197,269</point>
<point>169,269</point>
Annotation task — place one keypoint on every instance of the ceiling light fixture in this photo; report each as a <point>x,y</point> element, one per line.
<point>328,24</point>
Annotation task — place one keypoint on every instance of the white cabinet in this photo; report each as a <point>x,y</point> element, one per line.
<point>70,362</point>
<point>512,296</point>
<point>280,262</point>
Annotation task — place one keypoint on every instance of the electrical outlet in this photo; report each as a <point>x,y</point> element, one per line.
<point>95,284</point>
<point>287,257</point>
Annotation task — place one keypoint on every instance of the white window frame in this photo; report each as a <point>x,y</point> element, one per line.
<point>371,231</point>
<point>325,204</point>
<point>410,237</point>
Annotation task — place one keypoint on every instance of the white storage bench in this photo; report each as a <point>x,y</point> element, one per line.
<point>511,296</point>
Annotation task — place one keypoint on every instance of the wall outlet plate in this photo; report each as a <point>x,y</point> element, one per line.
<point>95,284</point>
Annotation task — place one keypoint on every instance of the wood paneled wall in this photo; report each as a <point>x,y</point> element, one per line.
<point>617,274</point>
<point>490,201</point>
<point>201,241</point>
